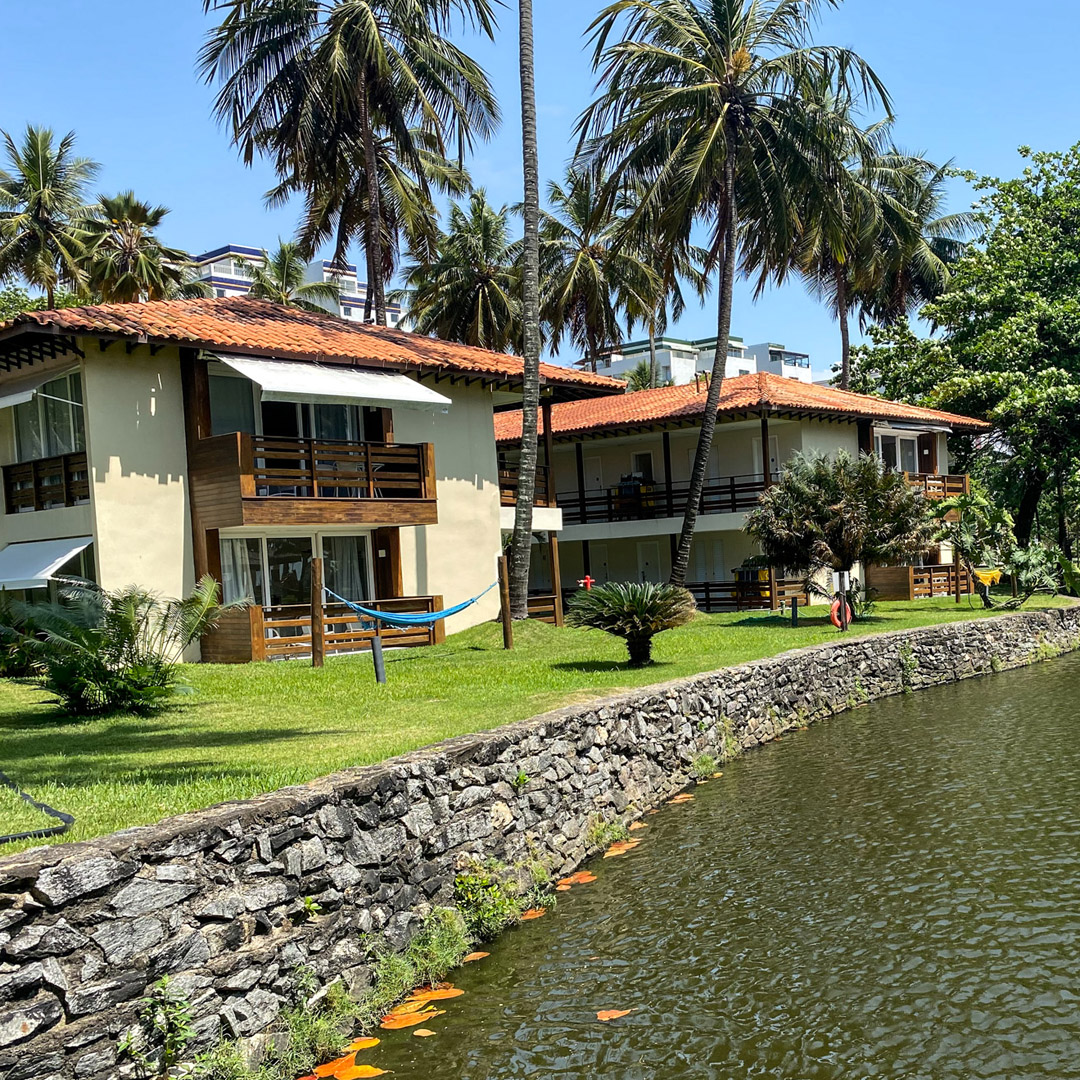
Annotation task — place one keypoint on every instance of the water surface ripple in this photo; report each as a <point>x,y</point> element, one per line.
<point>894,893</point>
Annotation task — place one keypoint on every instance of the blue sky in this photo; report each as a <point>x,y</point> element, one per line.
<point>971,80</point>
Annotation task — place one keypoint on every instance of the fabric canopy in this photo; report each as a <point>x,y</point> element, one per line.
<point>324,384</point>
<point>21,390</point>
<point>32,565</point>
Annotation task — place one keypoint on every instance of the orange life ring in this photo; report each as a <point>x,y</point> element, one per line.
<point>834,614</point>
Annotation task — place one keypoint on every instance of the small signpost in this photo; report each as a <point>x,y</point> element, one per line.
<point>504,602</point>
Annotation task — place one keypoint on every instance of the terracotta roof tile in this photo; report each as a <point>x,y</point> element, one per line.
<point>747,393</point>
<point>245,324</point>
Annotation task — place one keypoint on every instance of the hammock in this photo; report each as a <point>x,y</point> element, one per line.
<point>407,619</point>
<point>988,577</point>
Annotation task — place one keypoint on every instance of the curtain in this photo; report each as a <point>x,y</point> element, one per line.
<point>237,582</point>
<point>345,560</point>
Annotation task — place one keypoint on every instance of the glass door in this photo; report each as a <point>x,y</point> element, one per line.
<point>288,570</point>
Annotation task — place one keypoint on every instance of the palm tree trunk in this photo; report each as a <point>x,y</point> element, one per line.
<point>716,382</point>
<point>50,297</point>
<point>845,331</point>
<point>521,542</point>
<point>1027,511</point>
<point>654,372</point>
<point>376,288</point>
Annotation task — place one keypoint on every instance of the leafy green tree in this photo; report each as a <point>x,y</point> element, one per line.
<point>641,378</point>
<point>14,300</point>
<point>42,199</point>
<point>471,291</point>
<point>280,279</point>
<point>708,105</point>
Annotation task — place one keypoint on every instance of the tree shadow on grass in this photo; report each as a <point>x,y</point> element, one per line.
<point>592,667</point>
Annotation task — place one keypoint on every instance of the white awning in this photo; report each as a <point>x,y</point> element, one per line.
<point>19,391</point>
<point>32,565</point>
<point>325,384</point>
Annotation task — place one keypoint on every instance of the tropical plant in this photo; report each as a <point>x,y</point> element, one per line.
<point>471,291</point>
<point>14,300</point>
<point>640,377</point>
<point>279,278</point>
<point>521,539</point>
<point>980,535</point>
<point>708,105</point>
<point>314,86</point>
<point>634,611</point>
<point>125,262</point>
<point>42,198</point>
<point>102,651</point>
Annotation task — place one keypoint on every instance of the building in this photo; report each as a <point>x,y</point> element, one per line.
<point>680,362</point>
<point>619,470</point>
<point>155,443</point>
<point>224,270</point>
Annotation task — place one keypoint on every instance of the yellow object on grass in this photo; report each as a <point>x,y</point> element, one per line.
<point>988,577</point>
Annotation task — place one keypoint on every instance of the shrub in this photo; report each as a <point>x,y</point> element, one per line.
<point>634,611</point>
<point>103,651</point>
<point>703,767</point>
<point>487,903</point>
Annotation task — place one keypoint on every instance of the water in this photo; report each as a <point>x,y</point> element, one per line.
<point>894,893</point>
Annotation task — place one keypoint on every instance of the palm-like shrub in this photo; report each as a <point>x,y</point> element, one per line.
<point>102,651</point>
<point>634,611</point>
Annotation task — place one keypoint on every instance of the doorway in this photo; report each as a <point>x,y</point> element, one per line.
<point>648,560</point>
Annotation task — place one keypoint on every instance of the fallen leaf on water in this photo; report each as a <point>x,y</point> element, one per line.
<point>562,888</point>
<point>700,782</point>
<point>684,797</point>
<point>621,848</point>
<point>332,1067</point>
<point>435,995</point>
<point>359,1072</point>
<point>362,1044</point>
<point>717,775</point>
<point>652,811</point>
<point>475,956</point>
<point>638,825</point>
<point>311,1077</point>
<point>396,1021</point>
<point>423,1033</point>
<point>612,1014</point>
<point>586,879</point>
<point>409,1005</point>
<point>533,913</point>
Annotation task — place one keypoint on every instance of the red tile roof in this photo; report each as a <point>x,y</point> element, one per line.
<point>244,324</point>
<point>745,394</point>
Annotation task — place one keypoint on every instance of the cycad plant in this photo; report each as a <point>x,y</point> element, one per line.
<point>102,651</point>
<point>634,611</point>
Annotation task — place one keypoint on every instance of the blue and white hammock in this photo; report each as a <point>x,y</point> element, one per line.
<point>406,619</point>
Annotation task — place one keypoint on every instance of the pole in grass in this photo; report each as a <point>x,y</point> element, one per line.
<point>504,603</point>
<point>377,656</point>
<point>318,619</point>
<point>794,611</point>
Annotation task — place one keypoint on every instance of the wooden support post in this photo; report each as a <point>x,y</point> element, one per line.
<point>504,603</point>
<point>556,577</point>
<point>957,575</point>
<point>774,599</point>
<point>438,630</point>
<point>258,632</point>
<point>766,464</point>
<point>318,620</point>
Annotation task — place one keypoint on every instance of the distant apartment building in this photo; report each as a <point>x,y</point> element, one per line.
<point>680,361</point>
<point>226,271</point>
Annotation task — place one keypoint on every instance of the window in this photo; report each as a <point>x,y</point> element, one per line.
<point>51,422</point>
<point>232,406</point>
<point>345,566</point>
<point>347,312</point>
<point>744,371</point>
<point>241,570</point>
<point>898,452</point>
<point>641,465</point>
<point>219,293</point>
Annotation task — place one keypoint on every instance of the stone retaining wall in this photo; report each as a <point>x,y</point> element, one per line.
<point>214,899</point>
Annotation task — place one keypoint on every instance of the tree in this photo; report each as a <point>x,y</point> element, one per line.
<point>280,279</point>
<point>124,261</point>
<point>315,85</point>
<point>641,378</point>
<point>14,300</point>
<point>471,291</point>
<point>42,197</point>
<point>831,513</point>
<point>521,540</point>
<point>707,106</point>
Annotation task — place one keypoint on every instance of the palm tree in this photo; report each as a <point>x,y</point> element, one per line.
<point>471,291</point>
<point>316,84</point>
<point>588,276</point>
<point>42,196</point>
<point>708,104</point>
<point>521,540</point>
<point>124,261</point>
<point>280,279</point>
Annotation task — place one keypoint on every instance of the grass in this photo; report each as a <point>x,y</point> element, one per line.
<point>17,815</point>
<point>250,729</point>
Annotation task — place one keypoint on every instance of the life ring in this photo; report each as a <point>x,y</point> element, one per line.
<point>834,614</point>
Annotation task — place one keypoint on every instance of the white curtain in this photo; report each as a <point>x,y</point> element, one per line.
<point>346,570</point>
<point>236,580</point>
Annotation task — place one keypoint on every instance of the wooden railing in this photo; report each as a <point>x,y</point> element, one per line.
<point>547,608</point>
<point>316,468</point>
<point>508,486</point>
<point>286,631</point>
<point>643,502</point>
<point>916,582</point>
<point>939,485</point>
<point>714,596</point>
<point>48,483</point>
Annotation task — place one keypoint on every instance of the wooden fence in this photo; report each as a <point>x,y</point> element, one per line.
<point>44,484</point>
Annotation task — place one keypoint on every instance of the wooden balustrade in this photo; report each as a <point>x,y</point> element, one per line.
<point>508,486</point>
<point>47,483</point>
<point>713,596</point>
<point>916,582</point>
<point>940,485</point>
<point>547,608</point>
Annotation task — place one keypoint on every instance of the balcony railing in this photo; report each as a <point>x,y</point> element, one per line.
<point>939,485</point>
<point>508,486</point>
<point>634,501</point>
<point>746,595</point>
<point>47,483</point>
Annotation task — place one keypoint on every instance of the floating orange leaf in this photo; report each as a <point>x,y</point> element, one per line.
<point>475,956</point>
<point>435,995</point>
<point>717,775</point>
<point>681,798</point>
<point>533,913</point>
<point>409,1005</point>
<point>311,1077</point>
<point>359,1072</point>
<point>396,1021</point>
<point>333,1067</point>
<point>586,879</point>
<point>362,1044</point>
<point>621,848</point>
<point>612,1014</point>
<point>638,825</point>
<point>562,888</point>
<point>423,1033</point>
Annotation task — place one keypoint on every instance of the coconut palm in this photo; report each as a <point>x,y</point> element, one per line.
<point>42,197</point>
<point>312,84</point>
<point>280,279</point>
<point>471,291</point>
<point>709,105</point>
<point>125,262</point>
<point>588,276</point>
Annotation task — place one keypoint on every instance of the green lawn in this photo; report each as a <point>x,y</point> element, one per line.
<point>254,728</point>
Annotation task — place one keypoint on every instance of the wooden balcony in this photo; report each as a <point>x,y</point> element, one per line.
<point>241,479</point>
<point>916,582</point>
<point>47,483</point>
<point>939,485</point>
<point>508,486</point>
<point>633,501</point>
<point>276,633</point>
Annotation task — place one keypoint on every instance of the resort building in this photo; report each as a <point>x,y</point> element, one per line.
<point>152,444</point>
<point>681,362</point>
<point>227,271</point>
<point>618,469</point>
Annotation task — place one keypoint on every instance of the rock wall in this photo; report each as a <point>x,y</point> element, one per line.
<point>214,899</point>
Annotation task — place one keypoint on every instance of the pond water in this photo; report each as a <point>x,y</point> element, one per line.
<point>893,893</point>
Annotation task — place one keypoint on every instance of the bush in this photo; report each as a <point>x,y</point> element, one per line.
<point>487,903</point>
<point>634,611</point>
<point>100,651</point>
